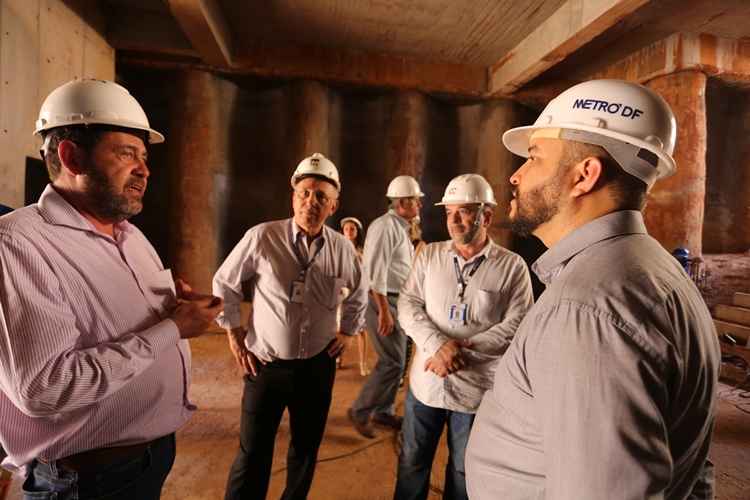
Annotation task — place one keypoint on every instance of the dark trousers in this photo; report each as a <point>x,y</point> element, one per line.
<point>303,386</point>
<point>140,477</point>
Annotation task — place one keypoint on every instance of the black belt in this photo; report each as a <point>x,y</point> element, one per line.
<point>392,294</point>
<point>96,459</point>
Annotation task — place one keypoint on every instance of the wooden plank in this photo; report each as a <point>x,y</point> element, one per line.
<point>350,67</point>
<point>740,333</point>
<point>732,314</point>
<point>741,299</point>
<point>204,24</point>
<point>573,25</point>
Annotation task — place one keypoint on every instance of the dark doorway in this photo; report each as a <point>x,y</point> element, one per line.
<point>36,180</point>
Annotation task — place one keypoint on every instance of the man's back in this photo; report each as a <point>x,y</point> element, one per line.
<point>608,389</point>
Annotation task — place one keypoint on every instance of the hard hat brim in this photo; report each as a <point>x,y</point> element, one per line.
<point>465,202</point>
<point>154,137</point>
<point>516,140</point>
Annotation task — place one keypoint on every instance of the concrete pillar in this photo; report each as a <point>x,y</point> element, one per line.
<point>310,101</point>
<point>407,138</point>
<point>674,213</point>
<point>192,163</point>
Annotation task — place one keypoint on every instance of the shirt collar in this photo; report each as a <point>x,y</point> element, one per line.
<point>297,231</point>
<point>619,223</point>
<point>57,211</point>
<point>482,254</point>
<point>400,219</point>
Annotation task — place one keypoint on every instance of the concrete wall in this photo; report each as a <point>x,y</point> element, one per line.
<point>728,173</point>
<point>43,43</point>
<point>254,132</point>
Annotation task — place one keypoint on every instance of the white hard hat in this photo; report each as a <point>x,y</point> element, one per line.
<point>403,186</point>
<point>93,102</point>
<point>319,165</point>
<point>633,123</point>
<point>353,220</point>
<point>468,188</point>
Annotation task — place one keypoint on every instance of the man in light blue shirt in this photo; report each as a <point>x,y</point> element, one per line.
<point>388,256</point>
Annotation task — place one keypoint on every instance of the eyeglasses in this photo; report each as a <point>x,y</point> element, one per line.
<point>320,196</point>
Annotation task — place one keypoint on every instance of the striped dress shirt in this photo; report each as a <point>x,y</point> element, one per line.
<point>279,328</point>
<point>88,358</point>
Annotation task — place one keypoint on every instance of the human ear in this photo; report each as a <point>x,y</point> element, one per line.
<point>586,174</point>
<point>71,157</point>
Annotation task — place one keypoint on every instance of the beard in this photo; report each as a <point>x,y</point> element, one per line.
<point>466,237</point>
<point>109,203</point>
<point>537,206</point>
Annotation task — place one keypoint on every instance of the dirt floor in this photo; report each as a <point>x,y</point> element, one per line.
<point>352,467</point>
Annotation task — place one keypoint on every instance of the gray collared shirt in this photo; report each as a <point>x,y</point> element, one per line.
<point>388,253</point>
<point>497,296</point>
<point>608,388</point>
<point>279,328</point>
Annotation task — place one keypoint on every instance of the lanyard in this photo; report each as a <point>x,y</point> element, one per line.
<point>305,264</point>
<point>459,275</point>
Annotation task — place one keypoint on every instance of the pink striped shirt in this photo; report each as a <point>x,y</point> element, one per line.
<point>87,356</point>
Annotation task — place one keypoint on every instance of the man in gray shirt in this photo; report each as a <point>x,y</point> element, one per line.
<point>296,269</point>
<point>388,256</point>
<point>608,388</point>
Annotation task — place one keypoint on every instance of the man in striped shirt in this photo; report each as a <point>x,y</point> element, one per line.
<point>94,365</point>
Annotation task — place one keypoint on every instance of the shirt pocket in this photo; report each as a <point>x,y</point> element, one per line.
<point>327,291</point>
<point>487,307</point>
<point>159,289</point>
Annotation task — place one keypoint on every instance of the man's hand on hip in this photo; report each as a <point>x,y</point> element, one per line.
<point>245,359</point>
<point>339,344</point>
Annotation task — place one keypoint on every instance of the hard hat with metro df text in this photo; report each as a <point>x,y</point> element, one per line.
<point>317,165</point>
<point>93,102</point>
<point>631,122</point>
<point>468,188</point>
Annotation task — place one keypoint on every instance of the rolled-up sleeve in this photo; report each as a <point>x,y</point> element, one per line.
<point>411,310</point>
<point>604,434</point>
<point>378,252</point>
<point>240,266</point>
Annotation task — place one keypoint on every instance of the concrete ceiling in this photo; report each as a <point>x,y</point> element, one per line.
<point>474,48</point>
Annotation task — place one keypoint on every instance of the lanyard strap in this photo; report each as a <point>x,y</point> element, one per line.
<point>459,275</point>
<point>300,258</point>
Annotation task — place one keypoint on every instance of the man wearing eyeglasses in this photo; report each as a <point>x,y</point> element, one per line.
<point>296,269</point>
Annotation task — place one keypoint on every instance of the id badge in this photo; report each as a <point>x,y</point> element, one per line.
<point>297,292</point>
<point>457,313</point>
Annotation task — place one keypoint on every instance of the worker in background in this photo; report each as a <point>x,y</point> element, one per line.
<point>295,269</point>
<point>354,231</point>
<point>94,365</point>
<point>388,258</point>
<point>461,305</point>
<point>609,387</point>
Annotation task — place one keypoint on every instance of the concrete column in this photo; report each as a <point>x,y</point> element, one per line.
<point>407,138</point>
<point>192,163</point>
<point>674,213</point>
<point>310,101</point>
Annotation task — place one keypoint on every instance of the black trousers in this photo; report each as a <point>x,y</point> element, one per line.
<point>303,386</point>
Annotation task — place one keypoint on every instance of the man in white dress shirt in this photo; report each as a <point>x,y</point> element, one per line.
<point>461,305</point>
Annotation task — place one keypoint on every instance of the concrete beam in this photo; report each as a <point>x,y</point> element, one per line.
<point>574,24</point>
<point>349,67</point>
<point>204,24</point>
<point>726,59</point>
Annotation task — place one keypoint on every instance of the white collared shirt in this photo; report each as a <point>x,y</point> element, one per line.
<point>388,253</point>
<point>279,328</point>
<point>497,297</point>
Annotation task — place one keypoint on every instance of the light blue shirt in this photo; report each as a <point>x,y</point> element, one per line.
<point>388,253</point>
